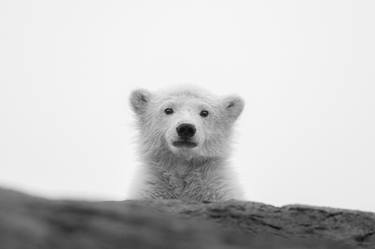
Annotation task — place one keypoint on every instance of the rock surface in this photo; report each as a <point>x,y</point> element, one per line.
<point>31,222</point>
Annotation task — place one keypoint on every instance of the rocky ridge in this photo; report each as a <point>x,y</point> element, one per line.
<point>32,222</point>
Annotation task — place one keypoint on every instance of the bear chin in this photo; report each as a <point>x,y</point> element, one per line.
<point>184,150</point>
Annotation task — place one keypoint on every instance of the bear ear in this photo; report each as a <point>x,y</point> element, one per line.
<point>139,99</point>
<point>233,106</point>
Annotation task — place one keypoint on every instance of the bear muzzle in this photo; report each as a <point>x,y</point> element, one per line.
<point>185,134</point>
<point>186,131</point>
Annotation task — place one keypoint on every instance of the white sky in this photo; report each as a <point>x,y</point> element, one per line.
<point>305,69</point>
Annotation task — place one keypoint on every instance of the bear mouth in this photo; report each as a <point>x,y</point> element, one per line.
<point>184,143</point>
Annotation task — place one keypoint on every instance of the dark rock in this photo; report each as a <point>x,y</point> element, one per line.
<point>30,222</point>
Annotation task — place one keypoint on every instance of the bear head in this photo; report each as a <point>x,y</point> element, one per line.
<point>186,123</point>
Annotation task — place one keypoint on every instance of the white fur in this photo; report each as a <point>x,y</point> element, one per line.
<point>169,172</point>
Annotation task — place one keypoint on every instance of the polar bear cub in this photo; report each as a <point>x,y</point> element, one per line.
<point>184,143</point>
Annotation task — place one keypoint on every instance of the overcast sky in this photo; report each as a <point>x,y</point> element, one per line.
<point>304,68</point>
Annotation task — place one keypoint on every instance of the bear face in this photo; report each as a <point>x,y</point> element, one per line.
<point>186,123</point>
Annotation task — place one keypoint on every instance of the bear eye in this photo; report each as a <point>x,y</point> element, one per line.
<point>168,111</point>
<point>204,113</point>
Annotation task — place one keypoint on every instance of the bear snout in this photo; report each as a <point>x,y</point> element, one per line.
<point>186,131</point>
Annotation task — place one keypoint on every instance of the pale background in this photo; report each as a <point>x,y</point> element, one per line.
<point>305,69</point>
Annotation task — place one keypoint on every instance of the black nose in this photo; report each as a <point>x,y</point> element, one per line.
<point>186,130</point>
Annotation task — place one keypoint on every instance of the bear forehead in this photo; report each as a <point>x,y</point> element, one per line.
<point>188,97</point>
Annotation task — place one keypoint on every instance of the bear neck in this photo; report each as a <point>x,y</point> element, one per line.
<point>179,166</point>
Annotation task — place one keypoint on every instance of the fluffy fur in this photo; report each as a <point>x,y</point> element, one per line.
<point>200,173</point>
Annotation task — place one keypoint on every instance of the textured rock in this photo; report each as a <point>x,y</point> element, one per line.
<point>30,222</point>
